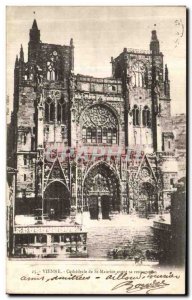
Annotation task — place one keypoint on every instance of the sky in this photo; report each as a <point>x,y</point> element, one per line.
<point>102,32</point>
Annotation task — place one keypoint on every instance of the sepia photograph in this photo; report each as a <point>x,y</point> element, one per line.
<point>96,149</point>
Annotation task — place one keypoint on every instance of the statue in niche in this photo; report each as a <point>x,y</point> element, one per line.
<point>40,100</point>
<point>129,84</point>
<point>38,75</point>
<point>39,177</point>
<point>46,171</point>
<point>156,88</point>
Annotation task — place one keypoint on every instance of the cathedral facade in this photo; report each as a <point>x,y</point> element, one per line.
<point>103,146</point>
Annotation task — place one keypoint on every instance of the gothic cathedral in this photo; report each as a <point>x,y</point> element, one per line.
<point>80,144</point>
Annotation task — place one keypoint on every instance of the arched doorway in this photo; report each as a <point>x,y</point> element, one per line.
<point>148,202</point>
<point>56,203</point>
<point>102,191</point>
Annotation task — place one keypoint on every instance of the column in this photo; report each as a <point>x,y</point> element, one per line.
<point>99,208</point>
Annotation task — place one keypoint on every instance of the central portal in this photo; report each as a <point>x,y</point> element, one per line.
<point>99,206</point>
<point>101,191</point>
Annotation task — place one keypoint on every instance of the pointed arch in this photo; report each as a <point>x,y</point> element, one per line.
<point>145,163</point>
<point>52,67</point>
<point>138,79</point>
<point>61,110</point>
<point>147,202</point>
<point>107,166</point>
<point>136,115</point>
<point>101,190</point>
<point>58,176</point>
<point>56,201</point>
<point>49,110</point>
<point>146,116</point>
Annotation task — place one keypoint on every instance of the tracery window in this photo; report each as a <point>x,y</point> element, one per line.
<point>99,126</point>
<point>138,74</point>
<point>61,110</point>
<point>52,71</point>
<point>49,110</point>
<point>146,116</point>
<point>136,115</point>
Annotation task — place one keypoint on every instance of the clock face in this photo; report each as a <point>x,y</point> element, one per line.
<point>145,173</point>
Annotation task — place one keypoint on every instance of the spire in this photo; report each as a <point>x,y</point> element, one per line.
<point>154,44</point>
<point>21,53</point>
<point>16,61</point>
<point>34,26</point>
<point>34,33</point>
<point>166,73</point>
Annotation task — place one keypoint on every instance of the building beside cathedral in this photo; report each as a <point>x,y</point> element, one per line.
<point>80,144</point>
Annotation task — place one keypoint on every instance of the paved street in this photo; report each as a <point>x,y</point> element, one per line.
<point>123,231</point>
